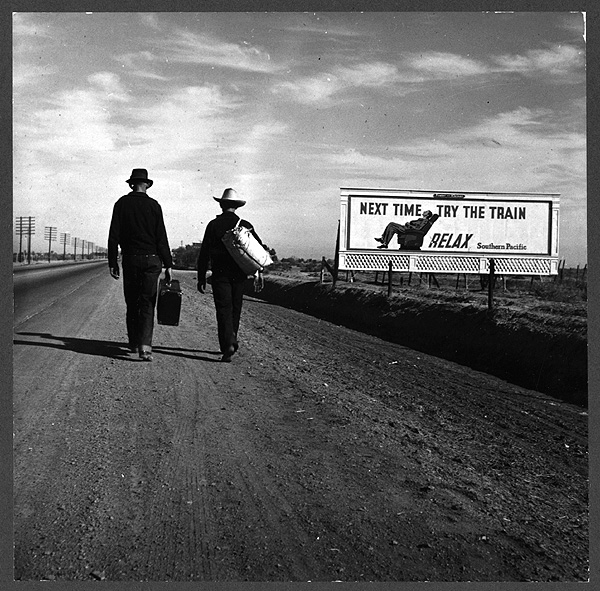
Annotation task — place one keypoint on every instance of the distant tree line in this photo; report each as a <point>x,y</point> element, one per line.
<point>303,265</point>
<point>185,257</point>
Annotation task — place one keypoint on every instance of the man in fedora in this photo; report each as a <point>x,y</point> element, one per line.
<point>138,226</point>
<point>227,278</point>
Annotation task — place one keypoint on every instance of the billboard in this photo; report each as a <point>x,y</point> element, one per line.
<point>462,230</point>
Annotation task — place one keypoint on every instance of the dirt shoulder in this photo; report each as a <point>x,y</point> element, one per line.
<point>536,344</point>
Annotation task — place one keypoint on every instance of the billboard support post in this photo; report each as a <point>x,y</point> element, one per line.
<point>336,259</point>
<point>491,281</point>
<point>389,279</point>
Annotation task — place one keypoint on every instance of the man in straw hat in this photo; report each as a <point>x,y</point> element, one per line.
<point>227,278</point>
<point>137,225</point>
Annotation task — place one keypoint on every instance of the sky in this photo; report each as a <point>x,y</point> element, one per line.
<point>287,108</point>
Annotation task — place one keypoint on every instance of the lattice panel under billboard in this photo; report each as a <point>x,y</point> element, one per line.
<point>442,264</point>
<point>428,263</point>
<point>376,262</point>
<point>522,266</point>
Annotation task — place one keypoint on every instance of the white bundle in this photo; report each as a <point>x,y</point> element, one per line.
<point>246,250</point>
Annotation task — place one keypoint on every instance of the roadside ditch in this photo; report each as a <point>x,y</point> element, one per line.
<point>520,346</point>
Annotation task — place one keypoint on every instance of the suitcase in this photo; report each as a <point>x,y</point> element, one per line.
<point>168,307</point>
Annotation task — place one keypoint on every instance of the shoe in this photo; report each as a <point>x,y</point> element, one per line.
<point>145,353</point>
<point>379,239</point>
<point>133,348</point>
<point>382,246</point>
<point>228,354</point>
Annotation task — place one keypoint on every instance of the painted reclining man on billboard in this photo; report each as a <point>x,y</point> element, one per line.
<point>411,234</point>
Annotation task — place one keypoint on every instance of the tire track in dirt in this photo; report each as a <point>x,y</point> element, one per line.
<point>231,473</point>
<point>318,454</point>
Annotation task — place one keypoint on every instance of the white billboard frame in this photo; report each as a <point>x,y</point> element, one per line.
<point>452,253</point>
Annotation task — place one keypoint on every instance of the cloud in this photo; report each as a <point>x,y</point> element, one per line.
<point>31,76</point>
<point>374,74</point>
<point>575,23</point>
<point>25,25</point>
<point>189,121</point>
<point>27,39</point>
<point>76,126</point>
<point>309,90</point>
<point>517,151</point>
<point>438,65</point>
<point>151,20</point>
<point>137,64</point>
<point>253,141</point>
<point>560,63</point>
<point>96,128</point>
<point>322,25</point>
<point>109,84</point>
<point>191,48</point>
<point>321,88</point>
<point>72,125</point>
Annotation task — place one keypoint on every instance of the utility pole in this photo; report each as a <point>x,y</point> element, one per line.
<point>30,232</point>
<point>65,239</point>
<point>50,234</point>
<point>20,229</point>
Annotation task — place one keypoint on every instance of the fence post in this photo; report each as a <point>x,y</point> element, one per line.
<point>491,281</point>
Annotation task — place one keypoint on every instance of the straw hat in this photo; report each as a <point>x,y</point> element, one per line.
<point>230,199</point>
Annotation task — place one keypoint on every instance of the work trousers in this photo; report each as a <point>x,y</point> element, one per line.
<point>390,230</point>
<point>140,286</point>
<point>228,294</point>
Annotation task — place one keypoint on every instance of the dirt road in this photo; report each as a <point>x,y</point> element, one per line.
<point>319,454</point>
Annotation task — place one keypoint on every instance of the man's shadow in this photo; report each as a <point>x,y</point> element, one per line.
<point>177,352</point>
<point>111,349</point>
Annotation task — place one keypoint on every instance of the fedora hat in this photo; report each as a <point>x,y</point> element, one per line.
<point>139,174</point>
<point>230,198</point>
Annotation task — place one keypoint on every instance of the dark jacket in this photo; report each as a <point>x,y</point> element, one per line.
<point>419,224</point>
<point>138,226</point>
<point>213,253</point>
